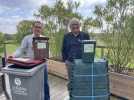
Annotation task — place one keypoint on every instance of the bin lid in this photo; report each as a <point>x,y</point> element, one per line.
<point>22,72</point>
<point>88,41</point>
<point>95,60</point>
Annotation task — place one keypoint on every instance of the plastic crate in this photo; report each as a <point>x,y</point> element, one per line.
<point>97,68</point>
<point>104,97</point>
<point>90,81</point>
<point>87,86</point>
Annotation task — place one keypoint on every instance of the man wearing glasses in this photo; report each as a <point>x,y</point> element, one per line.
<point>71,46</point>
<point>26,50</point>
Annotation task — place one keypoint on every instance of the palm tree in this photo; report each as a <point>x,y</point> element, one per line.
<point>57,18</point>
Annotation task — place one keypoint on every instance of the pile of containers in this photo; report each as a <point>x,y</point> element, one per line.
<point>89,81</point>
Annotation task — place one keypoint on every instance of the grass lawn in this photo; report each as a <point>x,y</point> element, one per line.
<point>10,49</point>
<point>98,53</point>
<point>131,65</point>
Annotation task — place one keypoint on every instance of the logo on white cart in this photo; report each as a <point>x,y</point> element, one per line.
<point>17,81</point>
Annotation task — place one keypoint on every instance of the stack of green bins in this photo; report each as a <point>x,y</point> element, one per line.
<point>90,80</point>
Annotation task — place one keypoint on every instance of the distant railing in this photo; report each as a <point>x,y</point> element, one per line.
<point>102,52</point>
<point>3,45</point>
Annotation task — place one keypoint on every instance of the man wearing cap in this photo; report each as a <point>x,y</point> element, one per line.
<point>71,48</point>
<point>26,50</point>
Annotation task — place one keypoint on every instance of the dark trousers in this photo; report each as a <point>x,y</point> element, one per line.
<point>46,85</point>
<point>69,67</point>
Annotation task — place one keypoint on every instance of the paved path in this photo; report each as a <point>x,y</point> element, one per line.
<point>2,97</point>
<point>58,89</point>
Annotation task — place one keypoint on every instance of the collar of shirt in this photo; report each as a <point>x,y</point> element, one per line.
<point>34,35</point>
<point>73,34</point>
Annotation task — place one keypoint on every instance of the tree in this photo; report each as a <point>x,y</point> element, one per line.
<point>116,16</point>
<point>1,41</point>
<point>56,19</point>
<point>1,37</point>
<point>23,29</point>
<point>130,29</point>
<point>90,23</point>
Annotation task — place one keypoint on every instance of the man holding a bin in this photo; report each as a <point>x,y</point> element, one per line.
<point>26,50</point>
<point>71,46</point>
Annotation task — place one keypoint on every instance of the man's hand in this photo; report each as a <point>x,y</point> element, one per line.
<point>10,56</point>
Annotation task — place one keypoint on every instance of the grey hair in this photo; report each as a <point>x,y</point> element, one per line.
<point>74,21</point>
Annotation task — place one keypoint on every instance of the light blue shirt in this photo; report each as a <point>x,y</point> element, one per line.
<point>26,48</point>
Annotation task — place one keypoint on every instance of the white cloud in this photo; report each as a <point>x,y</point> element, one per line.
<point>87,6</point>
<point>3,9</point>
<point>13,12</point>
<point>40,2</point>
<point>93,2</point>
<point>8,25</point>
<point>23,3</point>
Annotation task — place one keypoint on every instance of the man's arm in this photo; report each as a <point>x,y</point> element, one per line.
<point>20,51</point>
<point>64,49</point>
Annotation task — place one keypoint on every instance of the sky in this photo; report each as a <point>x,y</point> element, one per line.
<point>13,11</point>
